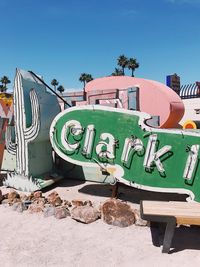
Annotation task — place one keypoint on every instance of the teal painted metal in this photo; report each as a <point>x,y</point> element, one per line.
<point>34,110</point>
<point>133,98</point>
<point>119,142</point>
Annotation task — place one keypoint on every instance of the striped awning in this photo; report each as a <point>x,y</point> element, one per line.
<point>190,90</point>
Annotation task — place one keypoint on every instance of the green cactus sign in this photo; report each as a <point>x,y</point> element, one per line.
<point>28,139</point>
<point>121,143</point>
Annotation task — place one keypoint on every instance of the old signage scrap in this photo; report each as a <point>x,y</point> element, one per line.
<point>28,140</point>
<point>120,142</point>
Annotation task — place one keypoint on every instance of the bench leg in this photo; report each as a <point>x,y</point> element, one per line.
<point>169,233</point>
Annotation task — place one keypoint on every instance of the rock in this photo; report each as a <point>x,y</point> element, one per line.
<point>5,196</point>
<point>49,211</point>
<point>27,203</point>
<point>23,197</point>
<point>14,206</point>
<point>66,203</point>
<point>88,203</point>
<point>78,203</point>
<point>15,200</point>
<point>118,213</point>
<point>36,207</point>
<point>19,207</point>
<point>138,220</point>
<point>40,201</point>
<point>30,196</point>
<point>37,194</point>
<point>13,196</point>
<point>54,199</point>
<point>5,202</point>
<point>1,196</point>
<point>61,213</point>
<point>85,214</point>
<point>58,201</point>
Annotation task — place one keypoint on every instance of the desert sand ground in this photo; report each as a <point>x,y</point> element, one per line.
<point>32,240</point>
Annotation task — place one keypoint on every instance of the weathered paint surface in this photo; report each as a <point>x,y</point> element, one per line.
<point>6,114</point>
<point>155,98</point>
<point>34,110</point>
<point>119,142</point>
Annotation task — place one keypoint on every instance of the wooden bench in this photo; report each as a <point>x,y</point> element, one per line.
<point>171,213</point>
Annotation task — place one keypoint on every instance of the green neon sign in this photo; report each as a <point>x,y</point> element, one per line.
<point>120,142</point>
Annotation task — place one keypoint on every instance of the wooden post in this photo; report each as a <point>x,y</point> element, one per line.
<point>115,190</point>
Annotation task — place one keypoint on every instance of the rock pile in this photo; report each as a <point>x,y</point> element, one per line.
<point>112,211</point>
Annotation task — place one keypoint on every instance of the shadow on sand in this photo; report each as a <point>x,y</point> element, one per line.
<point>130,194</point>
<point>65,182</point>
<point>185,237</point>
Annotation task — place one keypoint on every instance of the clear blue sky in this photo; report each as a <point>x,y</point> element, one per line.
<point>63,38</point>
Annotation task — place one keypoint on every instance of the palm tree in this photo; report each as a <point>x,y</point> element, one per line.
<point>55,83</point>
<point>4,80</point>
<point>89,78</point>
<point>85,78</point>
<point>133,64</point>
<point>61,89</point>
<point>2,88</point>
<point>117,72</point>
<point>122,62</point>
<point>82,78</point>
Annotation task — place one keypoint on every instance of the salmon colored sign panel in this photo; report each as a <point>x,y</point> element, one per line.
<point>155,98</point>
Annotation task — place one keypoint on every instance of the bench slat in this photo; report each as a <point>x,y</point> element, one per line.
<point>184,212</point>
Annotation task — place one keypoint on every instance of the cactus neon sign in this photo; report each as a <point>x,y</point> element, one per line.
<point>122,144</point>
<point>32,118</point>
